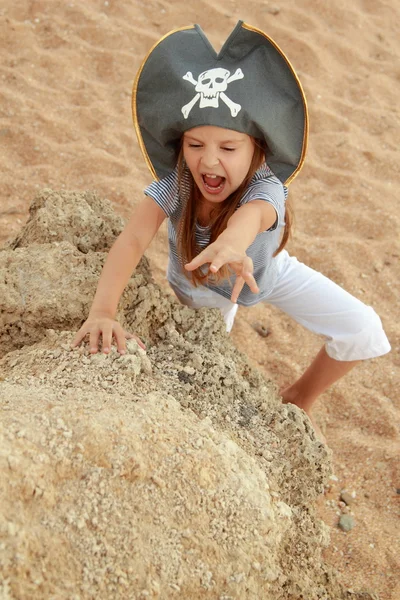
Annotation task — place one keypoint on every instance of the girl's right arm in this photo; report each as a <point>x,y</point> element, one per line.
<point>122,259</point>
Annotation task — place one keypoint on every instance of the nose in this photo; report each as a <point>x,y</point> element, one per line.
<point>210,158</point>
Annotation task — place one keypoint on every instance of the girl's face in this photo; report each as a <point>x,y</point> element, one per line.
<point>219,160</point>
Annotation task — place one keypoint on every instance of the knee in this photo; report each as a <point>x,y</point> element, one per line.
<point>363,339</point>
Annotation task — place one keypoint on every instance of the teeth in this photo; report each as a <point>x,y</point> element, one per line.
<point>212,176</point>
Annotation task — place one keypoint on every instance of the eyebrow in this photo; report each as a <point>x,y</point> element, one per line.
<point>194,139</point>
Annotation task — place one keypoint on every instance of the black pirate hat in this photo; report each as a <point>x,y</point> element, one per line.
<point>249,86</point>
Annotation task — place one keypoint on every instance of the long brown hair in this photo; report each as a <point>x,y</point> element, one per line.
<point>219,217</point>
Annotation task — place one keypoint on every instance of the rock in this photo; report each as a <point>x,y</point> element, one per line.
<point>261,329</point>
<point>346,522</point>
<point>137,457</point>
<point>347,497</point>
<point>273,10</point>
<point>49,272</point>
<point>80,218</point>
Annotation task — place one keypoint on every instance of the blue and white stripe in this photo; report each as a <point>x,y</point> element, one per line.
<point>263,186</point>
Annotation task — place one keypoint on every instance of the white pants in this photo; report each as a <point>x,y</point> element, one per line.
<point>353,330</point>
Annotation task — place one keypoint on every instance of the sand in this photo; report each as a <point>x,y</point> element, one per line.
<point>67,71</point>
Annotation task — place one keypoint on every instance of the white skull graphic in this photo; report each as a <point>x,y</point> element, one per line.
<point>210,87</point>
<point>210,84</point>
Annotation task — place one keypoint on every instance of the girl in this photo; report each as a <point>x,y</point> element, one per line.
<point>223,135</point>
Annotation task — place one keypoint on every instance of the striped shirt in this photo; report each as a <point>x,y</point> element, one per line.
<point>263,186</point>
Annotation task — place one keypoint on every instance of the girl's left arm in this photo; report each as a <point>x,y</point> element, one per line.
<point>230,247</point>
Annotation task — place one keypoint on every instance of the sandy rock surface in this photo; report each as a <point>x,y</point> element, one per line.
<point>55,266</point>
<point>84,220</point>
<point>171,473</point>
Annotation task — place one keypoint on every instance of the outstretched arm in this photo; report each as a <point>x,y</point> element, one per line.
<point>122,259</point>
<point>230,247</point>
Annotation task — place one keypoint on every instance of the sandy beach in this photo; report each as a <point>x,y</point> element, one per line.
<point>65,123</point>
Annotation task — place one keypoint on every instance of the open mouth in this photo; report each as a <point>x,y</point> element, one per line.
<point>213,183</point>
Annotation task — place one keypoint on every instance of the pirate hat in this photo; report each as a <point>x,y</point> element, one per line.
<point>249,86</point>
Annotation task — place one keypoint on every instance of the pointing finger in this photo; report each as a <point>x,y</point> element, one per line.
<point>237,288</point>
<point>247,274</point>
<point>199,260</point>
<point>251,282</point>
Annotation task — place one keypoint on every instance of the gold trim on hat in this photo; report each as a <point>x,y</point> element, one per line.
<point>305,134</point>
<point>249,28</point>
<point>134,105</point>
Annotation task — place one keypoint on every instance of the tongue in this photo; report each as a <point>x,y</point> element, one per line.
<point>213,181</point>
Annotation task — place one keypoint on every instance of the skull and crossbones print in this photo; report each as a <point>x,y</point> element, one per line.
<point>210,87</point>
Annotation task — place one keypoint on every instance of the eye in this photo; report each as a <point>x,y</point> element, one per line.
<point>229,149</point>
<point>191,145</point>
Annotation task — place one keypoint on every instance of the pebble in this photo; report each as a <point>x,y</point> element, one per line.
<point>346,522</point>
<point>261,329</point>
<point>132,346</point>
<point>13,462</point>
<point>197,361</point>
<point>346,497</point>
<point>98,359</point>
<point>146,365</point>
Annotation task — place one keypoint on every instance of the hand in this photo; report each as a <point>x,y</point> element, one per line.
<point>106,328</point>
<point>220,253</point>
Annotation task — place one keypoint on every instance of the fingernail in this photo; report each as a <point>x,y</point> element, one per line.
<point>122,352</point>
<point>106,349</point>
